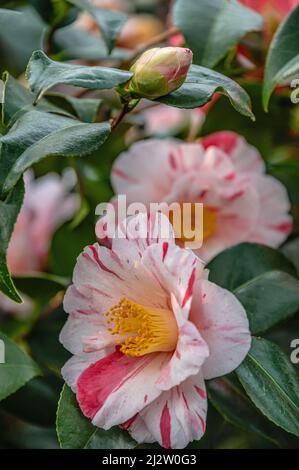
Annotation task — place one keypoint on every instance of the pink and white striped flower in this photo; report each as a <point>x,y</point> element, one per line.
<point>146,328</point>
<point>222,171</point>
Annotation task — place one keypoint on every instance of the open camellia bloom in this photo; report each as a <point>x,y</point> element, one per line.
<point>223,172</point>
<point>146,328</point>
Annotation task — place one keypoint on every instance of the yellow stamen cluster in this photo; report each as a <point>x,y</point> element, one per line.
<point>144,330</point>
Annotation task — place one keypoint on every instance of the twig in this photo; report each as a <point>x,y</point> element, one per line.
<point>120,117</point>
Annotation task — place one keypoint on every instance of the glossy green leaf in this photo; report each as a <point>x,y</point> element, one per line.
<point>284,165</point>
<point>40,285</point>
<point>38,135</point>
<point>291,251</point>
<point>18,100</point>
<point>212,27</point>
<point>241,263</point>
<point>283,57</point>
<point>200,86</point>
<point>110,22</point>
<point>76,432</point>
<point>44,73</point>
<point>17,369</point>
<point>73,43</point>
<point>232,403</point>
<point>269,299</point>
<point>9,210</point>
<point>272,383</point>
<point>8,15</point>
<point>35,402</point>
<point>86,109</point>
<point>44,343</point>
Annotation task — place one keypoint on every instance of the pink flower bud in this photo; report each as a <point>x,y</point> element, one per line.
<point>159,71</point>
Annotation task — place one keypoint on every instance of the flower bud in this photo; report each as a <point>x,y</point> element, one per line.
<point>159,71</point>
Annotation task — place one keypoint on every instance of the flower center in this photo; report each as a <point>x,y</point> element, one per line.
<point>186,226</point>
<point>144,330</point>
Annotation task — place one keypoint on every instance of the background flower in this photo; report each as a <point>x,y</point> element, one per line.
<point>224,173</point>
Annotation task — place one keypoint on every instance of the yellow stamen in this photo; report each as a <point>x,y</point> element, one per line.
<point>183,227</point>
<point>145,330</point>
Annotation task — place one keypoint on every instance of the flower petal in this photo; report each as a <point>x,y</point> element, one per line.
<point>244,156</point>
<point>178,416</point>
<point>223,323</point>
<point>190,354</point>
<point>105,388</point>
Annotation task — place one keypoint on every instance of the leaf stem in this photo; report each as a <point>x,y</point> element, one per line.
<point>120,117</point>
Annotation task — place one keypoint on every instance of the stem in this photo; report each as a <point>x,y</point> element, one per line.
<point>120,117</point>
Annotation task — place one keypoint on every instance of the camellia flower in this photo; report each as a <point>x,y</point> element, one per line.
<point>146,328</point>
<point>47,204</point>
<point>159,71</point>
<point>223,172</point>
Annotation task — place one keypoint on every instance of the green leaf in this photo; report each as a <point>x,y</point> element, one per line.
<point>200,86</point>
<point>241,263</point>
<point>212,27</point>
<point>18,100</point>
<point>86,109</point>
<point>70,241</point>
<point>283,164</point>
<point>35,403</point>
<point>72,43</point>
<point>40,285</point>
<point>283,57</point>
<point>291,251</point>
<point>44,343</point>
<point>37,135</point>
<point>9,210</point>
<point>17,369</point>
<point>272,383</point>
<point>110,22</point>
<point>44,73</point>
<point>76,432</point>
<point>269,299</point>
<point>8,15</point>
<point>232,403</point>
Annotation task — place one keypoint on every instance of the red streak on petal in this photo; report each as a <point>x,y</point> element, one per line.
<point>201,392</point>
<point>165,250</point>
<point>172,161</point>
<point>284,227</point>
<point>100,263</point>
<point>165,427</point>
<point>129,423</point>
<point>189,288</point>
<point>124,175</point>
